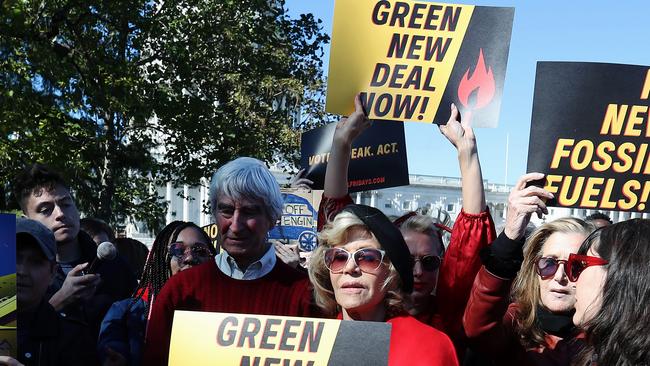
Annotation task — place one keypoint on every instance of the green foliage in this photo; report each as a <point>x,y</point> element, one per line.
<point>123,96</point>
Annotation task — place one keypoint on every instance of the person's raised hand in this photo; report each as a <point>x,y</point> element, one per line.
<point>288,254</point>
<point>522,203</point>
<point>299,181</point>
<point>460,134</point>
<point>349,128</point>
<point>77,287</point>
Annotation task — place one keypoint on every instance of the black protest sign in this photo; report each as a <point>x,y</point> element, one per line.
<point>213,232</point>
<point>378,158</point>
<point>590,132</point>
<point>476,82</point>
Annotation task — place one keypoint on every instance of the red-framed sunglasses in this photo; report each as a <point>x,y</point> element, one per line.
<point>578,263</point>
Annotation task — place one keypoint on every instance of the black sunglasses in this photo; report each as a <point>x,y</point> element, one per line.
<point>429,263</point>
<point>180,250</point>
<point>547,266</point>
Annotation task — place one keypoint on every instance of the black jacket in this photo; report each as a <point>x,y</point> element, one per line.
<point>117,282</point>
<point>45,338</point>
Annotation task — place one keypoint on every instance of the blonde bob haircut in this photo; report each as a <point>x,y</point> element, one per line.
<point>526,289</point>
<point>338,233</point>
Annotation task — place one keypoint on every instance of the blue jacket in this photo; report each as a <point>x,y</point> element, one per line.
<point>123,330</point>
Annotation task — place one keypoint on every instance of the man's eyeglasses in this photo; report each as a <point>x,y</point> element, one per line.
<point>429,263</point>
<point>578,263</point>
<point>367,259</point>
<point>180,250</point>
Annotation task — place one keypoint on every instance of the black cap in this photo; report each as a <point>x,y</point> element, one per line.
<point>390,239</point>
<point>44,237</point>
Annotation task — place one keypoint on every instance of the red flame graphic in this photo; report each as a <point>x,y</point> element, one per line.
<point>481,81</point>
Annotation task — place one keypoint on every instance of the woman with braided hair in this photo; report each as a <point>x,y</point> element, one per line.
<point>179,246</point>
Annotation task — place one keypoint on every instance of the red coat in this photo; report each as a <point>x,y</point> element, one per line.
<point>490,325</point>
<point>413,343</point>
<point>461,262</point>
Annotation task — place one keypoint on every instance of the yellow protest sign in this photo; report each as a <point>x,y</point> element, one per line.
<point>406,57</point>
<point>206,338</point>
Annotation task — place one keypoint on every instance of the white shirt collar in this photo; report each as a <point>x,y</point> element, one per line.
<point>255,270</point>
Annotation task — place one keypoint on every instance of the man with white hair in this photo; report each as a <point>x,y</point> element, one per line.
<point>246,276</point>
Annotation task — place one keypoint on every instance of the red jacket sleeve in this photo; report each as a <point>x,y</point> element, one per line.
<point>470,234</point>
<point>159,326</point>
<point>329,208</point>
<point>489,322</point>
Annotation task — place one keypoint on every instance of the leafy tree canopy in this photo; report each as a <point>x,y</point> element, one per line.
<point>121,96</point>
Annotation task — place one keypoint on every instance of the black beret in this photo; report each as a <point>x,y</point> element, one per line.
<point>390,239</point>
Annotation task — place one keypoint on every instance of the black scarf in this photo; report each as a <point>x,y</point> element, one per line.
<point>560,325</point>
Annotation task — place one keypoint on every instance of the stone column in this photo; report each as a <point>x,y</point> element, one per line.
<point>186,202</point>
<point>168,198</point>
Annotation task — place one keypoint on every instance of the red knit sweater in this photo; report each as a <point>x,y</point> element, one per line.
<point>283,291</point>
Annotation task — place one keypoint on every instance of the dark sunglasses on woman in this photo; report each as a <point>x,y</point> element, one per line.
<point>547,266</point>
<point>429,263</point>
<point>179,250</point>
<point>578,263</point>
<point>367,259</point>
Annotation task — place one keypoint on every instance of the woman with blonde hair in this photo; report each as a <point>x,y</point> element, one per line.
<point>527,320</point>
<point>362,270</point>
<point>443,277</point>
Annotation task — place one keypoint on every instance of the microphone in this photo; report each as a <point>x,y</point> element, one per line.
<point>106,251</point>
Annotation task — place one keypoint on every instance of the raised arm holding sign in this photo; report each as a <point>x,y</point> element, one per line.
<point>472,231</point>
<point>336,175</point>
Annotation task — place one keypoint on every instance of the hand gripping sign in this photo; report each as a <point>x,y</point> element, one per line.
<point>590,134</point>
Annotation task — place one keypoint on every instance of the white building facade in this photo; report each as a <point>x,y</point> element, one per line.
<point>438,195</point>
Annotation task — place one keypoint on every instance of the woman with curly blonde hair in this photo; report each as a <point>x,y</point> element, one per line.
<point>525,318</point>
<point>361,271</point>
